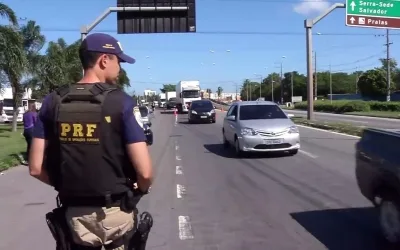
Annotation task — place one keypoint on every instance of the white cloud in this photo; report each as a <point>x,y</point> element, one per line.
<point>307,7</point>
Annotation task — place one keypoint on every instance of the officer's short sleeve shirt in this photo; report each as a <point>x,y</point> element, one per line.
<point>131,130</point>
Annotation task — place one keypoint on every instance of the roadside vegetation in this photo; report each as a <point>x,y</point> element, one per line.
<point>340,127</point>
<point>366,108</point>
<point>12,147</point>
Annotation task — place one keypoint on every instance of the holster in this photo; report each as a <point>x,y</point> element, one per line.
<point>57,224</point>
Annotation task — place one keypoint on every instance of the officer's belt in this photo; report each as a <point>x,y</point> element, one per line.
<point>111,200</point>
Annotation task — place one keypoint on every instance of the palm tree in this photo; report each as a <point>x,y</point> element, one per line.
<point>8,13</point>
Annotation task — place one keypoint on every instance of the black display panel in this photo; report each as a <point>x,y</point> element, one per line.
<point>171,21</point>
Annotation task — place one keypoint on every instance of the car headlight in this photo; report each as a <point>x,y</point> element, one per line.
<point>212,111</point>
<point>293,130</point>
<point>248,131</point>
<point>194,112</point>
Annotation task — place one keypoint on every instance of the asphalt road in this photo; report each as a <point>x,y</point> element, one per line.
<point>204,198</point>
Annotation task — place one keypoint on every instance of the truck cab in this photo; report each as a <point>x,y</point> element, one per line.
<point>186,93</point>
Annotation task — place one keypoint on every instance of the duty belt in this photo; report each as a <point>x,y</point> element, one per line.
<point>109,200</point>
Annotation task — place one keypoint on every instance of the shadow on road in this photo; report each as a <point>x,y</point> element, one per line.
<point>219,149</point>
<point>344,229</point>
<point>167,112</point>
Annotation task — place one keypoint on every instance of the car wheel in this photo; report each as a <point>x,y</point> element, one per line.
<point>213,121</point>
<point>238,151</point>
<point>293,151</point>
<point>225,141</point>
<point>389,219</point>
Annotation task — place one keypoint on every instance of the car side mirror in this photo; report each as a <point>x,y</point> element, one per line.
<point>231,118</point>
<point>290,115</point>
<point>214,107</point>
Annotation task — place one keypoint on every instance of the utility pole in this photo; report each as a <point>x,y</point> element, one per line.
<point>281,82</point>
<point>388,62</point>
<point>236,90</point>
<point>330,81</point>
<point>291,79</point>
<point>316,74</point>
<point>272,87</point>
<point>356,79</point>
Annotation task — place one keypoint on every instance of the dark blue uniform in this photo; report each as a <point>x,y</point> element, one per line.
<point>132,131</point>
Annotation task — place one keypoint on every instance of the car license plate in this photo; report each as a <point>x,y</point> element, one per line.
<point>203,116</point>
<point>273,141</point>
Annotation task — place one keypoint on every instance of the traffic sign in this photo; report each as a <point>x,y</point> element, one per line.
<point>373,13</point>
<point>159,20</point>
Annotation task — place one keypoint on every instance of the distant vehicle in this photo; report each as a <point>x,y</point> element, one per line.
<point>171,103</point>
<point>168,96</point>
<point>259,127</point>
<point>144,113</point>
<point>201,111</point>
<point>377,174</point>
<point>162,101</point>
<point>186,93</point>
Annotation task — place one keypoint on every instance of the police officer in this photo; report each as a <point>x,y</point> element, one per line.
<point>88,145</point>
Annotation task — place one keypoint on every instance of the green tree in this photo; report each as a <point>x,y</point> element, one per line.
<point>123,79</point>
<point>168,88</point>
<point>372,83</point>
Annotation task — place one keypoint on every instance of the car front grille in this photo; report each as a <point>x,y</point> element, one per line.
<point>271,134</point>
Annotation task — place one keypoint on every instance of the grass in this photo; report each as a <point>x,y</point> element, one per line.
<point>12,146</point>
<point>384,114</point>
<point>345,128</point>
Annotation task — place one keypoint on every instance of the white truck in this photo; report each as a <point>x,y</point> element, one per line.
<point>6,105</point>
<point>186,92</point>
<point>162,101</point>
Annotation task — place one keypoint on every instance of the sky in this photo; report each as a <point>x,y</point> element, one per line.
<point>235,40</point>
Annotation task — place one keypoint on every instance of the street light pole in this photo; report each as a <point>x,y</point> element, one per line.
<point>291,79</point>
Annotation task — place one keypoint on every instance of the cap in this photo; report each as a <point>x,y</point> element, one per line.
<point>103,43</point>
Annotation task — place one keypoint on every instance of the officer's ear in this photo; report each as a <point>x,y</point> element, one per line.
<point>104,60</point>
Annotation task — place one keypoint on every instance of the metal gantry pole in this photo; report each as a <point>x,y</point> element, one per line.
<point>308,25</point>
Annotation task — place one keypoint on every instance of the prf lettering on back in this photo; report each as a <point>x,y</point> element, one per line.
<point>79,133</point>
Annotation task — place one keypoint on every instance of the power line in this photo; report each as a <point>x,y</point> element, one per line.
<point>356,61</point>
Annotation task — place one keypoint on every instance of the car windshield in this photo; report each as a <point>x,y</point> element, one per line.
<point>173,99</point>
<point>143,111</point>
<point>202,105</point>
<point>259,112</point>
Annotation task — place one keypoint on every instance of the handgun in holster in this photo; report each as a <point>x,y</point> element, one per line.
<point>57,224</point>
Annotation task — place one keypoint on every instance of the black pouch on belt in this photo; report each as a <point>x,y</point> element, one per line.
<point>57,224</point>
<point>129,202</point>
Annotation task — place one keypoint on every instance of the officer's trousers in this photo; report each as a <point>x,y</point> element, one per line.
<point>96,226</point>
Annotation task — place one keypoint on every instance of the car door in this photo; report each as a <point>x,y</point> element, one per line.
<point>230,126</point>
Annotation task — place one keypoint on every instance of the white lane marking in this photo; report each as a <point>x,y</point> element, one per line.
<point>328,131</point>
<point>179,170</point>
<point>180,191</point>
<point>176,147</point>
<point>178,158</point>
<point>308,154</point>
<point>185,228</point>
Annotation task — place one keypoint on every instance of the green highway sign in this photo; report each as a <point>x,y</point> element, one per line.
<point>375,8</point>
<point>373,13</point>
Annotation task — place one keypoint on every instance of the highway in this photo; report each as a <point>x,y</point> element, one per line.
<point>204,198</point>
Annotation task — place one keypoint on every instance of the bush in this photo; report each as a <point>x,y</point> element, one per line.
<point>337,106</point>
<point>385,106</point>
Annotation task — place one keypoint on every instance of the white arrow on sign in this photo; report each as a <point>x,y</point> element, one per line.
<point>353,5</point>
<point>352,20</point>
